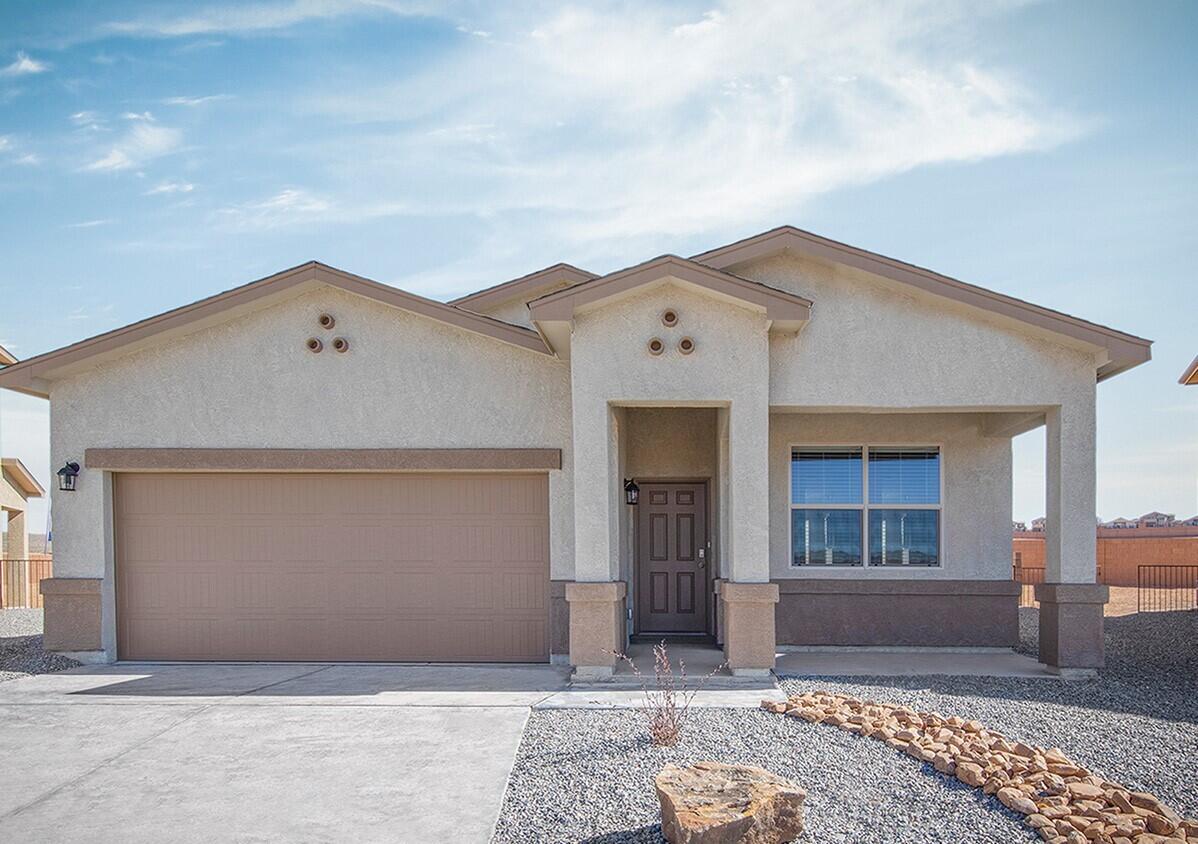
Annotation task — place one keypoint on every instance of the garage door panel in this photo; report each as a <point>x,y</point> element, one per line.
<point>448,567</point>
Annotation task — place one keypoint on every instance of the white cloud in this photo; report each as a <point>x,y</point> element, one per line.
<point>142,143</point>
<point>628,120</point>
<point>88,120</point>
<point>296,206</point>
<point>195,101</point>
<point>24,66</point>
<point>133,115</point>
<point>260,17</point>
<point>29,159</point>
<point>170,187</point>
<point>89,224</point>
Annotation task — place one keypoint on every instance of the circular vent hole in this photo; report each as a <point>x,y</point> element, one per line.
<point>326,321</point>
<point>340,344</point>
<point>686,345</point>
<point>670,318</point>
<point>656,347</point>
<point>314,344</point>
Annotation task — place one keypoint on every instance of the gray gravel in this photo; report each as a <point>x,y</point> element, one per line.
<point>21,651</point>
<point>584,775</point>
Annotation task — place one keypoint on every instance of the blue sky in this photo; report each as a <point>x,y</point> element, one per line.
<point>153,154</point>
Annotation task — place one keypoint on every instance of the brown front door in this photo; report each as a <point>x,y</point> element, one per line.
<point>671,558</point>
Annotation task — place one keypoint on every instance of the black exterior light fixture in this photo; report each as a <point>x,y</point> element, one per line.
<point>67,475</point>
<point>632,492</point>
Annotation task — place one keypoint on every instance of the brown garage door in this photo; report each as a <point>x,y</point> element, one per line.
<point>400,567</point>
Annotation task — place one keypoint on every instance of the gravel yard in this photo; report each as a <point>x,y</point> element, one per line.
<point>21,651</point>
<point>587,775</point>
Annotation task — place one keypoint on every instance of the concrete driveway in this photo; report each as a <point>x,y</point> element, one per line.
<point>259,753</point>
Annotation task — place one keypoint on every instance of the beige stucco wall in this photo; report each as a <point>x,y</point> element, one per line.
<point>516,310</point>
<point>611,366</point>
<point>873,343</point>
<point>406,382</point>
<point>976,514</point>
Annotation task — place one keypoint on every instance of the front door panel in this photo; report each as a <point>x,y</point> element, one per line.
<point>671,558</point>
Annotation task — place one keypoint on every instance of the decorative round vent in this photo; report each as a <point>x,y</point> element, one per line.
<point>314,345</point>
<point>669,318</point>
<point>656,347</point>
<point>340,344</point>
<point>686,345</point>
<point>326,321</point>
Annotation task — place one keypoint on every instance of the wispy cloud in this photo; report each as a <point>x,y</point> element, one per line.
<point>170,187</point>
<point>297,206</point>
<point>134,115</point>
<point>631,120</point>
<point>24,66</point>
<point>258,17</point>
<point>90,312</point>
<point>88,120</point>
<point>89,224</point>
<point>196,101</point>
<point>145,141</point>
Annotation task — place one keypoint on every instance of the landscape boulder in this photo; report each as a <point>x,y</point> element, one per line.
<point>715,803</point>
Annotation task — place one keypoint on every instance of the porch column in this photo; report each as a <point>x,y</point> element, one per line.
<point>16,544</point>
<point>1071,601</point>
<point>596,598</point>
<point>748,599</point>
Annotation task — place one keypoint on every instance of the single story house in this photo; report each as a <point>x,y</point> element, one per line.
<point>316,466</point>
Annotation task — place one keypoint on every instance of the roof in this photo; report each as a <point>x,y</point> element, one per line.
<point>24,479</point>
<point>1190,376</point>
<point>6,357</point>
<point>524,286</point>
<point>553,312</point>
<point>32,376</point>
<point>1124,350</point>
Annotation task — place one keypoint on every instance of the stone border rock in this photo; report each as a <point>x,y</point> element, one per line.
<point>1060,799</point>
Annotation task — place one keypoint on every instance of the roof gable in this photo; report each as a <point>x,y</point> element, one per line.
<point>34,375</point>
<point>553,313</point>
<point>6,357</point>
<point>526,287</point>
<point>1123,350</point>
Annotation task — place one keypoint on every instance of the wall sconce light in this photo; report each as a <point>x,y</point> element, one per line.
<point>632,492</point>
<point>66,477</point>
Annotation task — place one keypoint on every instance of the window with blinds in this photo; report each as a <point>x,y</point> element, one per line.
<point>865,506</point>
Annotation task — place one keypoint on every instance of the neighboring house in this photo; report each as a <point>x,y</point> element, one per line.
<point>1190,377</point>
<point>1120,524</point>
<point>316,466</point>
<point>1156,519</point>
<point>1190,522</point>
<point>17,486</point>
<point>1019,527</point>
<point>1038,524</point>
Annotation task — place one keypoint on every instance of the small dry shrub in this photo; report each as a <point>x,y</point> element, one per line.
<point>668,697</point>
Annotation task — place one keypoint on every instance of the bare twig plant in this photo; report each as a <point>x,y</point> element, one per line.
<point>669,697</point>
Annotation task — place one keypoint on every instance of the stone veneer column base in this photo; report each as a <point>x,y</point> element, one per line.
<point>72,613</point>
<point>1071,626</point>
<point>596,626</point>
<point>747,623</point>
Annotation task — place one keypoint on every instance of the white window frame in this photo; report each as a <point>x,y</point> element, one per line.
<point>865,506</point>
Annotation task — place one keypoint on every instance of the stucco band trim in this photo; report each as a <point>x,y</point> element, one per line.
<point>323,459</point>
<point>913,613</point>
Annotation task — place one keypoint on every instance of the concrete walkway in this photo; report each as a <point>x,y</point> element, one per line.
<point>213,753</point>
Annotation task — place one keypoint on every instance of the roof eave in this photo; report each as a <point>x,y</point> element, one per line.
<point>1125,350</point>
<point>24,478</point>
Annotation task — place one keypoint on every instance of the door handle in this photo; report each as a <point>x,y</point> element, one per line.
<point>702,558</point>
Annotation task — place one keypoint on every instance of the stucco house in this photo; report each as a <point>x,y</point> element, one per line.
<point>316,466</point>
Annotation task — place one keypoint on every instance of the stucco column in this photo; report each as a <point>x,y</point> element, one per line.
<point>16,544</point>
<point>1071,602</point>
<point>596,598</point>
<point>749,493</point>
<point>747,598</point>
